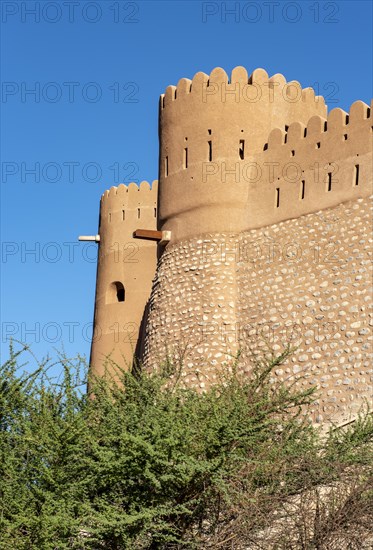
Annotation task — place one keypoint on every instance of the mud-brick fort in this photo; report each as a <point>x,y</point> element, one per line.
<point>258,234</point>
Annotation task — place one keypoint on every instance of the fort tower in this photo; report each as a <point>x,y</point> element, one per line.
<point>264,198</point>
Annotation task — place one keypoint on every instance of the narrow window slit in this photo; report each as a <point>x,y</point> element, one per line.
<point>265,147</point>
<point>293,153</point>
<point>138,213</point>
<point>318,145</point>
<point>185,161</point>
<point>123,215</point>
<point>305,132</point>
<point>155,212</point>
<point>210,150</point>
<point>356,174</point>
<point>303,189</point>
<point>345,136</point>
<point>209,131</point>
<point>166,166</point>
<point>241,149</point>
<point>109,216</point>
<point>285,138</point>
<point>325,126</point>
<point>286,128</point>
<point>329,181</point>
<point>277,197</point>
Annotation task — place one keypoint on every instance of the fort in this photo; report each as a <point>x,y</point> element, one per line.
<point>257,235</point>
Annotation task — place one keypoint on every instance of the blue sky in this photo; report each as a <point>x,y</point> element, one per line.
<point>97,70</point>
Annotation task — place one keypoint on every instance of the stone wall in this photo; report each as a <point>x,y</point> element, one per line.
<point>304,281</point>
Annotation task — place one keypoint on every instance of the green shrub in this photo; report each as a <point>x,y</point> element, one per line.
<point>157,465</point>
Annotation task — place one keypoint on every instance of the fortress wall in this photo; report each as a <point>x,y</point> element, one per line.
<point>209,121</point>
<point>191,295</point>
<point>215,293</point>
<point>305,281</point>
<point>125,260</point>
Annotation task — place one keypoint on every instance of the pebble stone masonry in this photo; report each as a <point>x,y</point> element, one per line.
<point>267,200</point>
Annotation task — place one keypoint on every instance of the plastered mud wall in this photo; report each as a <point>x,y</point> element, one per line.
<point>305,281</point>
<point>299,168</point>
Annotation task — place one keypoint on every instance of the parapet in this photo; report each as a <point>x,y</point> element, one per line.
<point>313,167</point>
<point>301,167</point>
<point>211,114</point>
<point>336,131</point>
<point>129,207</point>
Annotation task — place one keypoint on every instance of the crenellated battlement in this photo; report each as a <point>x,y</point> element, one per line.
<point>133,203</point>
<point>337,129</point>
<point>211,117</point>
<point>301,168</point>
<point>130,189</point>
<point>239,86</point>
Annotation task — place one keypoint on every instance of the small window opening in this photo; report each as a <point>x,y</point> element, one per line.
<point>241,149</point>
<point>303,189</point>
<point>138,213</point>
<point>185,161</point>
<point>293,153</point>
<point>210,150</point>
<point>209,131</point>
<point>277,197</point>
<point>356,174</point>
<point>286,138</point>
<point>368,112</point>
<point>329,181</point>
<point>347,119</point>
<point>109,216</point>
<point>286,128</point>
<point>123,215</point>
<point>120,294</point>
<point>155,212</point>
<point>345,136</point>
<point>265,147</point>
<point>166,166</point>
<point>115,293</point>
<point>305,132</point>
<point>325,126</point>
<point>318,144</point>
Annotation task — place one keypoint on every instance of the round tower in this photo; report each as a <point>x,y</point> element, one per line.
<point>126,267</point>
<point>211,130</point>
